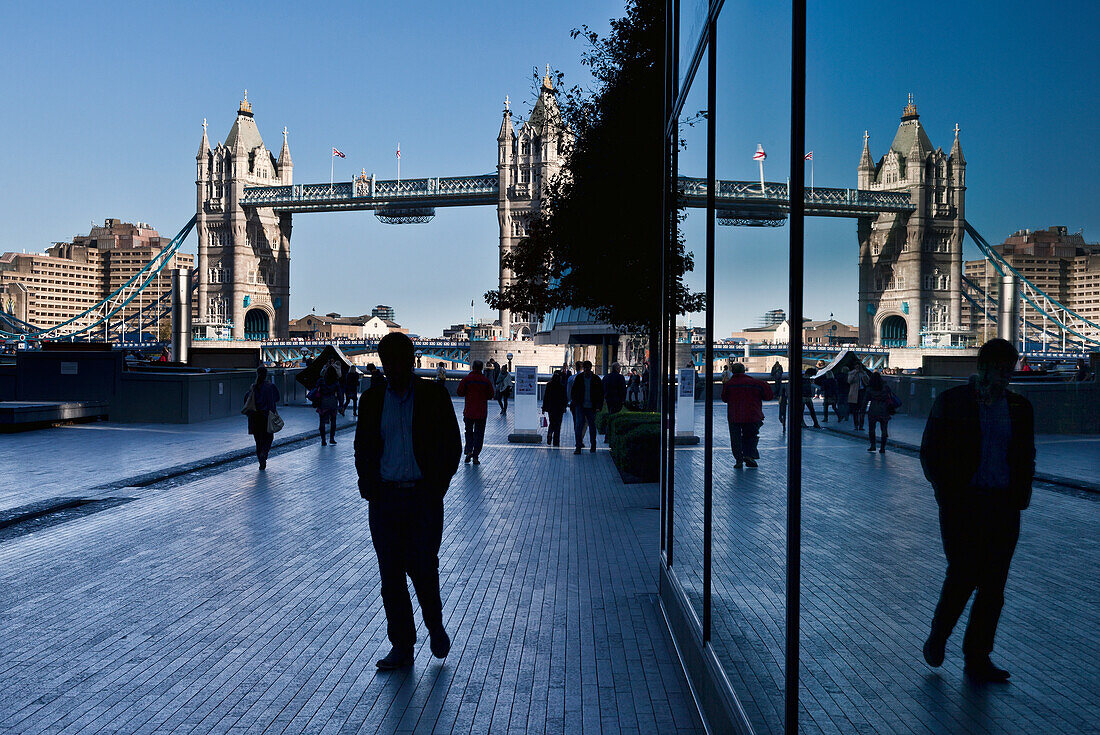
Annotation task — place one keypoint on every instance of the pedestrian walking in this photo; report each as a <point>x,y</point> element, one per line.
<point>978,452</point>
<point>777,376</point>
<point>633,386</point>
<point>858,379</point>
<point>375,375</point>
<point>407,449</point>
<point>744,396</point>
<point>645,385</point>
<point>879,409</point>
<point>264,397</point>
<point>784,394</point>
<point>586,399</point>
<point>504,389</point>
<point>726,374</point>
<point>441,374</point>
<point>614,389</point>
<point>808,397</point>
<point>554,401</point>
<point>351,391</point>
<point>828,385</point>
<point>477,391</point>
<point>327,396</point>
<point>842,395</point>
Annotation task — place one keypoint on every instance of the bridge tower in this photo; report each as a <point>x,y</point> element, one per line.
<point>910,265</point>
<point>526,163</point>
<point>244,254</point>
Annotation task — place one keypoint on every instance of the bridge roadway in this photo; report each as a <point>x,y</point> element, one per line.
<point>737,200</point>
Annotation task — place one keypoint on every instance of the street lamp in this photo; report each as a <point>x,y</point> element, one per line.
<point>419,354</point>
<point>509,362</point>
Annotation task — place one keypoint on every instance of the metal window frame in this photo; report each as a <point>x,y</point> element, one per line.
<point>675,96</point>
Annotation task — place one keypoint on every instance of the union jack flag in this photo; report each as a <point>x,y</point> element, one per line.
<point>760,155</point>
<point>336,152</point>
<point>810,156</point>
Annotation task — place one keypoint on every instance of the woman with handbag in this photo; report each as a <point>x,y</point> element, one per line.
<point>504,389</point>
<point>260,409</point>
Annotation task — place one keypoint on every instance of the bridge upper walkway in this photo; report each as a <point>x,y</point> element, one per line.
<point>737,199</point>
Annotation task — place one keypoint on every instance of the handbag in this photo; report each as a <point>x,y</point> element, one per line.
<point>544,421</point>
<point>249,402</point>
<point>893,403</point>
<point>274,422</point>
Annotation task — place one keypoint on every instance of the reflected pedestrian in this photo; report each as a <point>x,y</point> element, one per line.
<point>842,411</point>
<point>407,449</point>
<point>784,397</point>
<point>554,401</point>
<point>744,396</point>
<point>633,386</point>
<point>978,452</point>
<point>858,379</point>
<point>441,374</point>
<point>265,397</point>
<point>586,399</point>
<point>477,391</point>
<point>777,376</point>
<point>828,386</point>
<point>614,389</point>
<point>808,397</point>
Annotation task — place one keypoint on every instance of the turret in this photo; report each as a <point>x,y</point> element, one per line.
<point>285,166</point>
<point>204,146</point>
<point>958,163</point>
<point>866,164</point>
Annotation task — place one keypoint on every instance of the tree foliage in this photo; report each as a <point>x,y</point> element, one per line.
<point>596,241</point>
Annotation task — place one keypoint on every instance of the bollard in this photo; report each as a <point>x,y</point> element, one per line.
<point>181,315</point>
<point>1008,310</point>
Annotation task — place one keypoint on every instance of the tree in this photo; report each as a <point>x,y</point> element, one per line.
<point>596,241</point>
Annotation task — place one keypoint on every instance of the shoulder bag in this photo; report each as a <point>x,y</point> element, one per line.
<point>274,422</point>
<point>250,401</point>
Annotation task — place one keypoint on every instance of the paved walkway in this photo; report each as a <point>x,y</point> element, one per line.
<point>872,565</point>
<point>67,460</point>
<point>239,601</point>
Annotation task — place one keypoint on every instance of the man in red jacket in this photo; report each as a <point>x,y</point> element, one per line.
<point>477,389</point>
<point>744,396</point>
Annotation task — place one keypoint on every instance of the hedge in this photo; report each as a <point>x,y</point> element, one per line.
<point>635,440</point>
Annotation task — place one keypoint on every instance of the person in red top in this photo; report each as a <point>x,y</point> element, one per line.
<point>744,396</point>
<point>478,390</point>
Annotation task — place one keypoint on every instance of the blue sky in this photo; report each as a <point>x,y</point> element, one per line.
<point>104,107</point>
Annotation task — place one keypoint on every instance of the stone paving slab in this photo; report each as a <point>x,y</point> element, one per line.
<point>872,565</point>
<point>247,601</point>
<point>71,460</point>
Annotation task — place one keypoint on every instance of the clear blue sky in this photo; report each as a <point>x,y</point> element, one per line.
<point>104,105</point>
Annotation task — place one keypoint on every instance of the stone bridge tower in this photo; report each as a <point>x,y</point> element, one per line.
<point>526,163</point>
<point>244,255</point>
<point>910,265</point>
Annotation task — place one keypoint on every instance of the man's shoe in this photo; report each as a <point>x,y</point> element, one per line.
<point>332,441</point>
<point>983,670</point>
<point>871,448</point>
<point>882,450</point>
<point>577,450</point>
<point>263,464</point>
<point>467,460</point>
<point>593,449</point>
<point>477,461</point>
<point>934,651</point>
<point>751,463</point>
<point>397,658</point>
<point>441,643</point>
<point>739,465</point>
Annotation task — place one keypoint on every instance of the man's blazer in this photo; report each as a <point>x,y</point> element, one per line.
<point>437,444</point>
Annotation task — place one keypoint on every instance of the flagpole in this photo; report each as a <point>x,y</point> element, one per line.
<point>811,177</point>
<point>762,193</point>
<point>331,164</point>
<point>399,162</point>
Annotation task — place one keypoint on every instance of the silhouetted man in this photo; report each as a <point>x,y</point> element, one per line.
<point>978,452</point>
<point>586,397</point>
<point>614,389</point>
<point>407,448</point>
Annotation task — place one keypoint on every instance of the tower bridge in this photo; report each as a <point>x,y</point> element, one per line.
<point>908,206</point>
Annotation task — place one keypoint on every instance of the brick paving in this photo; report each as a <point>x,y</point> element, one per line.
<point>872,565</point>
<point>240,601</point>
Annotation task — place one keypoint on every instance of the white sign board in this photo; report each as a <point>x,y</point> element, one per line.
<point>527,399</point>
<point>685,402</point>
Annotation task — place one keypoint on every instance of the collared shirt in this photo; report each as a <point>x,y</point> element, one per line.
<point>996,427</point>
<point>398,463</point>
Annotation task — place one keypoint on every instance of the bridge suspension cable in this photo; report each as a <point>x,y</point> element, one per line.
<point>1069,321</point>
<point>107,308</point>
